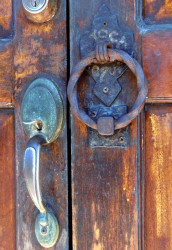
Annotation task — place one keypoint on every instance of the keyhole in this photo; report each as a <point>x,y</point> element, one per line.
<point>35,3</point>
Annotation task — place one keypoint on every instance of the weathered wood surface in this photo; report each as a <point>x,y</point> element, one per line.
<point>157,177</point>
<point>157,11</point>
<point>156,195</point>
<point>6,19</point>
<point>157,62</point>
<point>104,180</point>
<point>97,173</point>
<point>7,180</point>
<point>33,51</point>
<point>40,50</point>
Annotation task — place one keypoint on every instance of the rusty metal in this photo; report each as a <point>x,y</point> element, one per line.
<point>107,89</point>
<point>105,125</point>
<point>107,92</point>
<point>105,29</point>
<point>113,141</point>
<point>97,111</point>
<point>102,56</point>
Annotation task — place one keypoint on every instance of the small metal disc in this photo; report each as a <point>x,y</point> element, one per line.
<point>47,236</point>
<point>42,103</point>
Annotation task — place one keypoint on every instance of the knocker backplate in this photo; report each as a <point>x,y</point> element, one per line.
<point>107,88</point>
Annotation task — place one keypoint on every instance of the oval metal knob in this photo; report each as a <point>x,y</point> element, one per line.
<point>42,115</point>
<point>40,11</point>
<point>102,55</point>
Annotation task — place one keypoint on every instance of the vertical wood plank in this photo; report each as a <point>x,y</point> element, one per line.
<point>104,180</point>
<point>157,11</point>
<point>7,180</point>
<point>155,49</point>
<point>158,176</point>
<point>40,51</point>
<point>104,185</point>
<point>6,18</point>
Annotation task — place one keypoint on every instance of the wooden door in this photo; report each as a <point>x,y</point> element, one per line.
<point>29,51</point>
<point>121,197</point>
<point>106,193</point>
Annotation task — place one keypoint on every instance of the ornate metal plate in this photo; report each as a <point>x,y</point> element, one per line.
<point>103,79</point>
<point>105,29</point>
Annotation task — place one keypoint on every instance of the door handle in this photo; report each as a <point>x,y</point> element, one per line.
<point>40,11</point>
<point>42,115</point>
<point>104,55</point>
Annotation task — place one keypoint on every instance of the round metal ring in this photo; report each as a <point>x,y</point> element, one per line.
<point>114,55</point>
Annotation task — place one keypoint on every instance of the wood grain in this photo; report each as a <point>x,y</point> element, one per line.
<point>6,51</point>
<point>6,19</point>
<point>40,51</point>
<point>157,177</point>
<point>157,62</point>
<point>104,183</point>
<point>34,51</point>
<point>157,11</point>
<point>7,180</point>
<point>104,180</point>
<point>6,71</point>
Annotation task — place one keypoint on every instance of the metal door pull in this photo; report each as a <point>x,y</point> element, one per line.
<point>106,125</point>
<point>42,114</point>
<point>46,226</point>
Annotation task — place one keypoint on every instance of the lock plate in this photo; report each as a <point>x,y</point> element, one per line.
<point>34,5</point>
<point>40,11</point>
<point>42,109</point>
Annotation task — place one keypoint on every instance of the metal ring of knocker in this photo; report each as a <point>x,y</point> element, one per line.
<point>104,54</point>
<point>42,115</point>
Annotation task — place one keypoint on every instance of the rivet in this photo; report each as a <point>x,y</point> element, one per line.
<point>121,139</point>
<point>105,90</point>
<point>43,230</point>
<point>94,114</point>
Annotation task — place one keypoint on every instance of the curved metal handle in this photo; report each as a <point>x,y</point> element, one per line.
<point>102,55</point>
<point>46,225</point>
<point>43,121</point>
<point>31,173</point>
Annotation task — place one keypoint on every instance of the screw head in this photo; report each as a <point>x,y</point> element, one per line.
<point>121,139</point>
<point>105,90</point>
<point>43,230</point>
<point>94,114</point>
